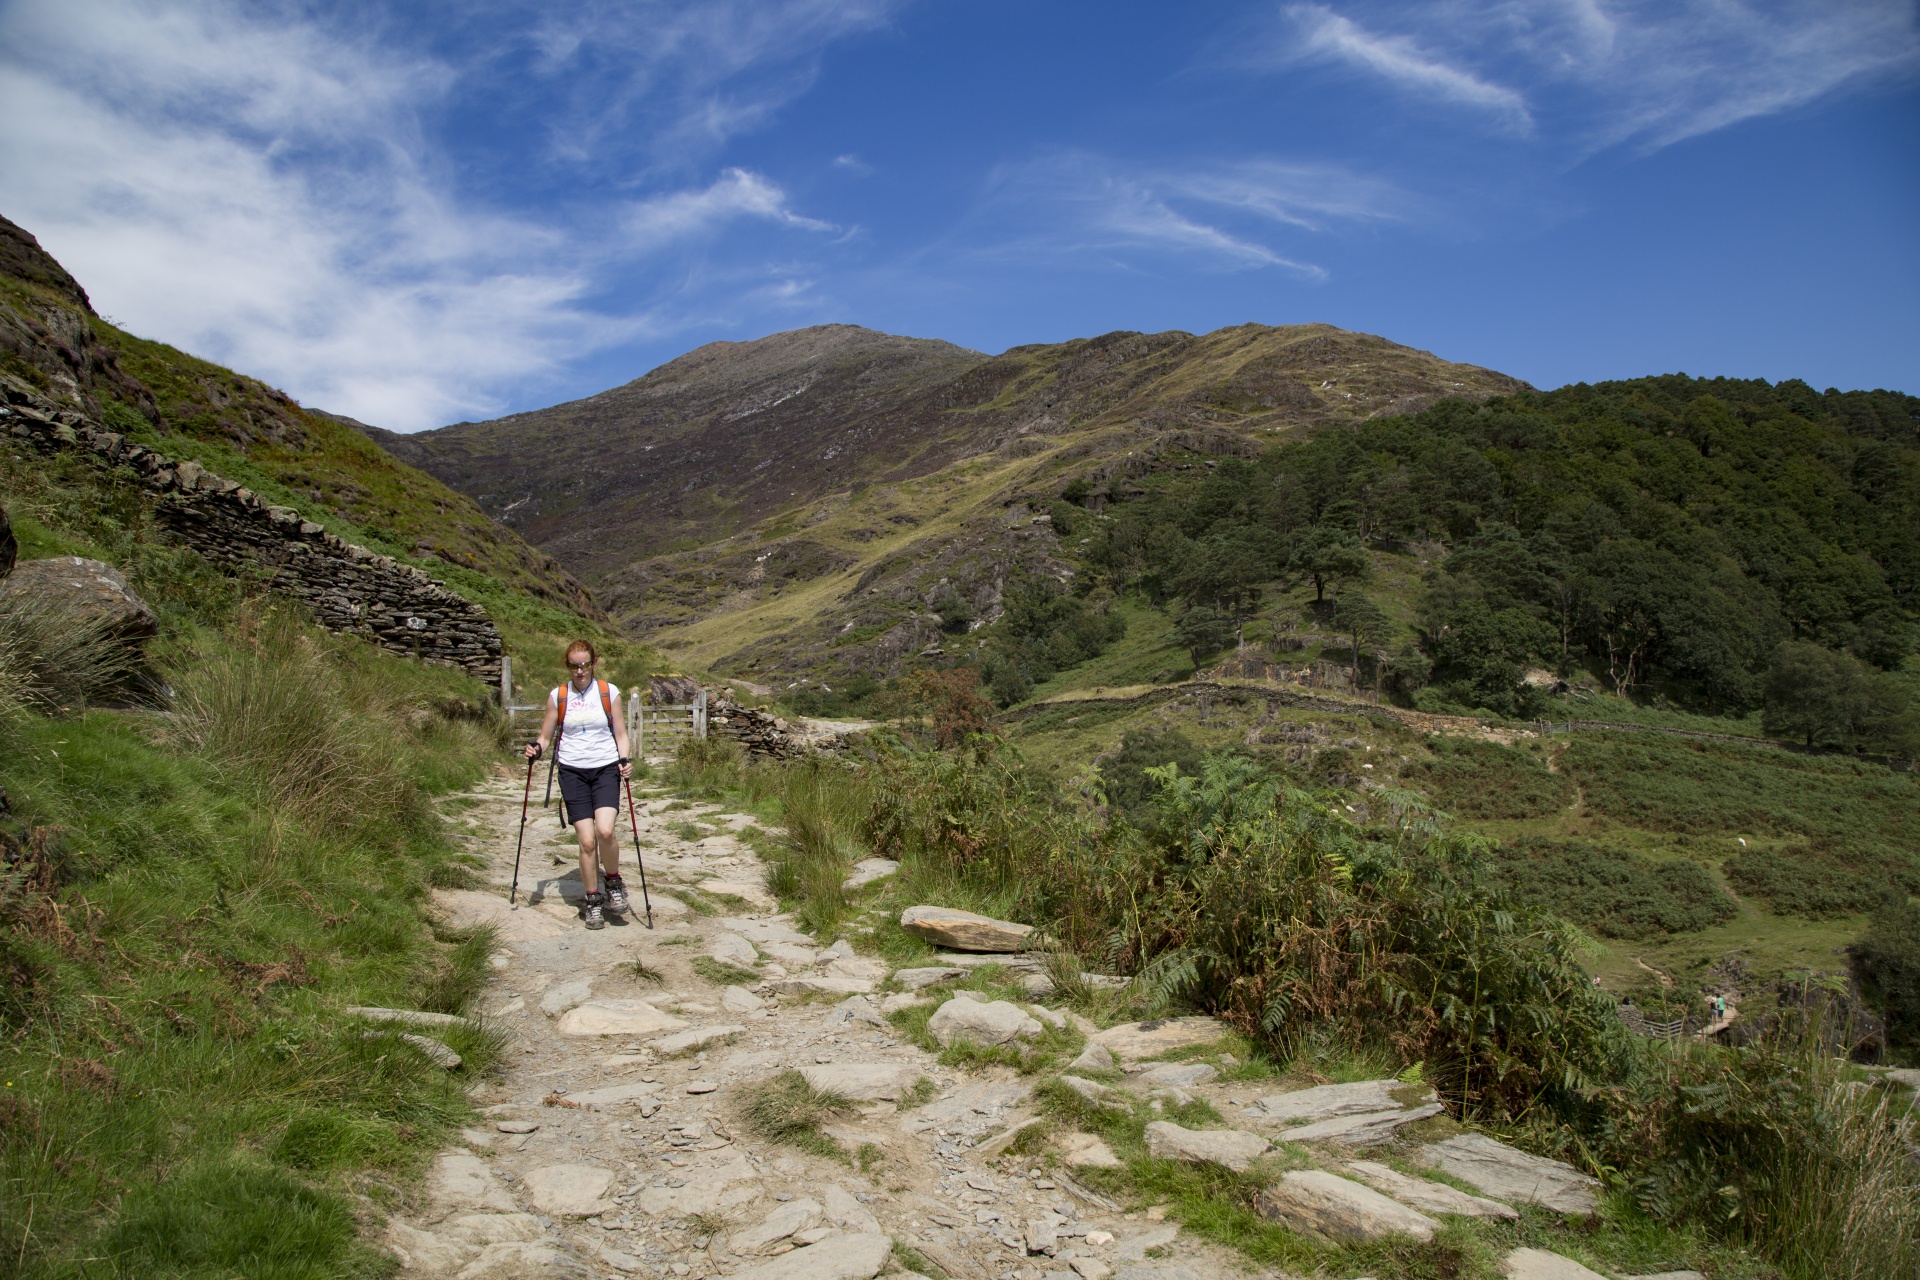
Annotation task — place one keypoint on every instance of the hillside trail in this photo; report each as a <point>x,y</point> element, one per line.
<point>612,1141</point>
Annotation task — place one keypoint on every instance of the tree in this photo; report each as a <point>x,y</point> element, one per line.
<point>1363,623</point>
<point>1328,557</point>
<point>1886,963</point>
<point>1202,630</point>
<point>1815,694</point>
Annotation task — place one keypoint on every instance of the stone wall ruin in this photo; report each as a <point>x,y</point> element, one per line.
<point>347,588</point>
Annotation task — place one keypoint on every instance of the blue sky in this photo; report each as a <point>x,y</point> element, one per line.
<point>418,214</point>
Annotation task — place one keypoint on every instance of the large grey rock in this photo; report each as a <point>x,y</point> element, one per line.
<point>915,979</point>
<point>731,948</point>
<point>984,1023</point>
<point>462,1180</point>
<point>845,1212</point>
<point>868,870</point>
<point>1095,1057</point>
<point>862,1081</point>
<point>1505,1173</point>
<point>617,1018</point>
<point>1539,1264</point>
<point>563,996</point>
<point>569,1190</point>
<point>845,1257</point>
<point>1364,1130</point>
<point>536,1260</point>
<point>794,1215</point>
<point>1096,1093</point>
<point>740,1000</point>
<point>1229,1147</point>
<point>92,594</point>
<point>1132,1041</point>
<point>1339,1209</point>
<point>1427,1196</point>
<point>963,930</point>
<point>1323,1102</point>
<point>855,1009</point>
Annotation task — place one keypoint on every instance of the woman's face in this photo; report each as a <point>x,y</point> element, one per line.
<point>581,667</point>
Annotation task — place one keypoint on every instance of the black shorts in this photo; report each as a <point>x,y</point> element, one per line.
<point>584,790</point>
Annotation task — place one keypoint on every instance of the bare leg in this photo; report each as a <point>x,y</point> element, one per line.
<point>608,841</point>
<point>589,850</point>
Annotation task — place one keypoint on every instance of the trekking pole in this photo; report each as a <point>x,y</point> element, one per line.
<point>526,794</point>
<point>638,861</point>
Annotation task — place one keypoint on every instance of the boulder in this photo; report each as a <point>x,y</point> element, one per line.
<point>1326,1101</point>
<point>794,1215</point>
<point>731,948</point>
<point>868,870</point>
<point>1363,1130</point>
<point>740,1000</point>
<point>617,1018</point>
<point>863,1081</point>
<point>915,979</point>
<point>1339,1209</point>
<point>982,1022</point>
<point>1506,1173</point>
<point>94,595</point>
<point>1228,1147</point>
<point>1132,1041</point>
<point>462,1180</point>
<point>846,1257</point>
<point>1426,1196</point>
<point>1085,1151</point>
<point>963,930</point>
<point>688,1041</point>
<point>1539,1264</point>
<point>1095,1057</point>
<point>569,1190</point>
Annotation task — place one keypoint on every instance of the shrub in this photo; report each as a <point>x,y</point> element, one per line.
<point>1616,893</point>
<point>1801,886</point>
<point>1886,964</point>
<point>1486,780</point>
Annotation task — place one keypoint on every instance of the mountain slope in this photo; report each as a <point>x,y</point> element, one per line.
<point>767,504</point>
<point>244,429</point>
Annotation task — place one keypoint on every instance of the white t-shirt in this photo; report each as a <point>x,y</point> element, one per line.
<point>586,742</point>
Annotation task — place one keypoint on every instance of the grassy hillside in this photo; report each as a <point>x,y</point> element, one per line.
<point>193,895</point>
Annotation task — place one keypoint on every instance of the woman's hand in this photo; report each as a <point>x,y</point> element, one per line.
<point>534,750</point>
<point>626,768</point>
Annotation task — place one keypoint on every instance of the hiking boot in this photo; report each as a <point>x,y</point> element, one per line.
<point>594,912</point>
<point>617,895</point>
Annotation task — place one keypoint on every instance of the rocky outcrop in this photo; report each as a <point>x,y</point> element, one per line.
<point>982,1022</point>
<point>93,594</point>
<point>1507,1173</point>
<point>757,731</point>
<point>1340,1209</point>
<point>1229,1148</point>
<point>347,588</point>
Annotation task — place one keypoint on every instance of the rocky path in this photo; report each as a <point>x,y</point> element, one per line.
<point>614,1141</point>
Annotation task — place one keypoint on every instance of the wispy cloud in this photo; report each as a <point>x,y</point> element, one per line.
<point>265,191</point>
<point>1324,34</point>
<point>1589,74</point>
<point>1220,217</point>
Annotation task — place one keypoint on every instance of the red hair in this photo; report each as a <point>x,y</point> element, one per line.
<point>576,647</point>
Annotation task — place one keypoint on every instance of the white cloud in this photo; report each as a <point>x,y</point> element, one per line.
<point>1590,74</point>
<point>260,190</point>
<point>1219,216</point>
<point>1327,35</point>
<point>735,194</point>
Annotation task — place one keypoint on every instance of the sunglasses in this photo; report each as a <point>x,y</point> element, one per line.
<point>580,666</point>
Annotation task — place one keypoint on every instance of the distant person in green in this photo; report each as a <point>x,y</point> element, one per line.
<point>590,747</point>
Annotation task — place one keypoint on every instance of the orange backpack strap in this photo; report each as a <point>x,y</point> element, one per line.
<point>560,721</point>
<point>606,705</point>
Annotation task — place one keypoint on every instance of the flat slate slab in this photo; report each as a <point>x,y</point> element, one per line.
<point>963,930</point>
<point>1365,1130</point>
<point>842,1257</point>
<point>1336,1208</point>
<point>868,870</point>
<point>611,1096</point>
<point>862,1081</point>
<point>617,1018</point>
<point>1132,1041</point>
<point>1323,1102</point>
<point>983,1022</point>
<point>1507,1173</point>
<point>1539,1264</point>
<point>569,1190</point>
<point>1226,1147</point>
<point>915,979</point>
<point>1426,1196</point>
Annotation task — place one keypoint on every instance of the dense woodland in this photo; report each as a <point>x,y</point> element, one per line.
<point>1691,536</point>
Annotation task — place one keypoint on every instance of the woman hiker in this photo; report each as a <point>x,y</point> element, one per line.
<point>591,751</point>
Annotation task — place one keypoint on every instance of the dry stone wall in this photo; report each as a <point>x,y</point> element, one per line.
<point>348,588</point>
